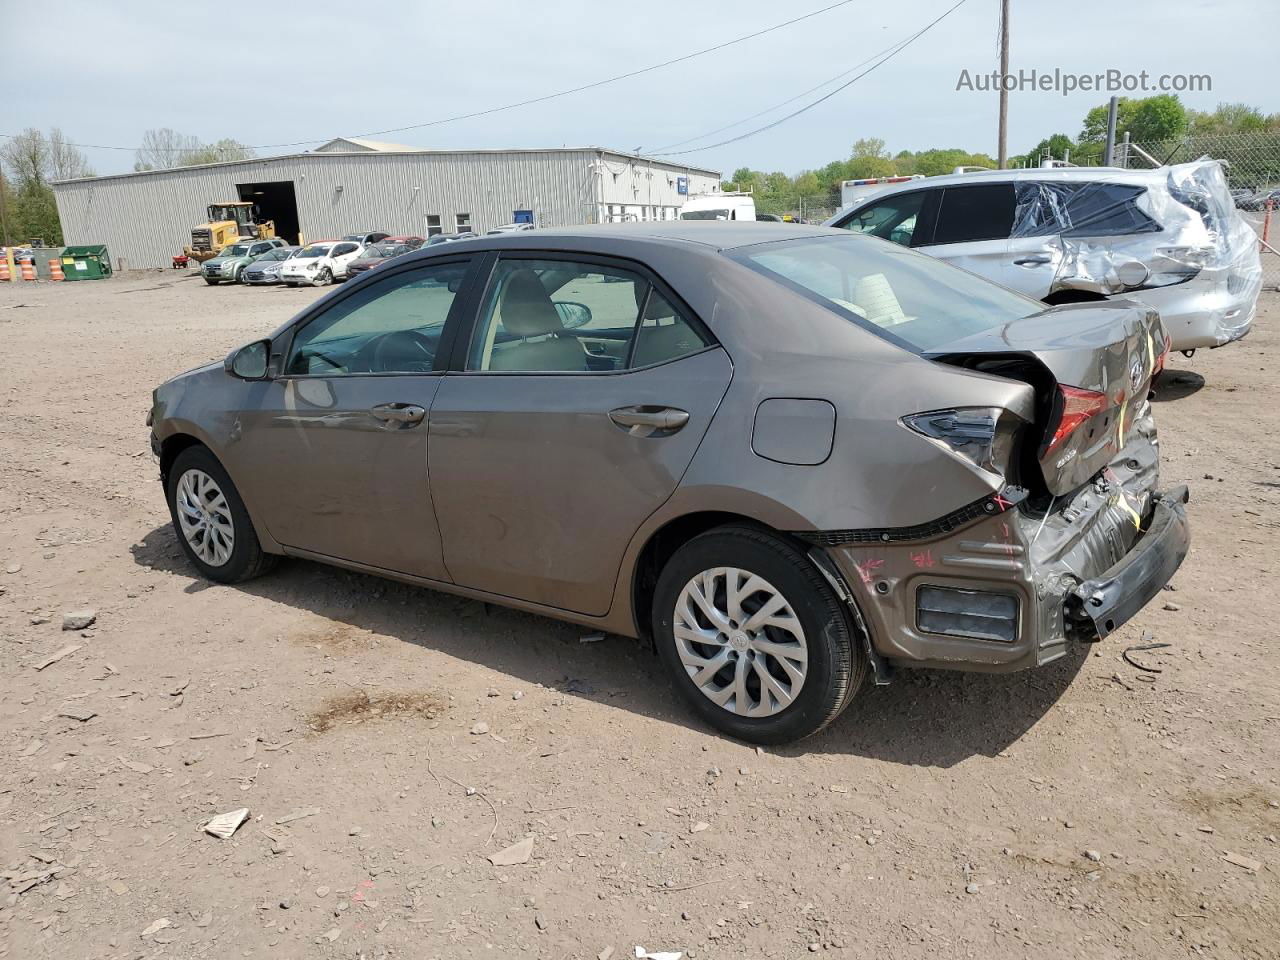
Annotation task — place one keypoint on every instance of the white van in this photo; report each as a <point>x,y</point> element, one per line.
<point>720,206</point>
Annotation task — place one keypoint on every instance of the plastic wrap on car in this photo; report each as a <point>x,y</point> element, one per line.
<point>1194,226</point>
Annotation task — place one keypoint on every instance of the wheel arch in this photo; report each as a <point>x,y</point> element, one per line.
<point>172,446</point>
<point>663,543</point>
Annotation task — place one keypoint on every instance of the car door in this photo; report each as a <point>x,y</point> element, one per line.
<point>568,416</point>
<point>335,448</point>
<point>972,230</point>
<point>341,255</point>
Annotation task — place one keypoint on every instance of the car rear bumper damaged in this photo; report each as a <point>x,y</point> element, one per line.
<point>1019,587</point>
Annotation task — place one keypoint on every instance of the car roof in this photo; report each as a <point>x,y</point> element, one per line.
<point>713,235</point>
<point>1146,177</point>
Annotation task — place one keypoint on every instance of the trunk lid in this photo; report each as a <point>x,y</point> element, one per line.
<point>1091,365</point>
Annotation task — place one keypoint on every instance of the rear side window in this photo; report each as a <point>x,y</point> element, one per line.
<point>905,297</point>
<point>1081,210</point>
<point>558,316</point>
<point>982,212</point>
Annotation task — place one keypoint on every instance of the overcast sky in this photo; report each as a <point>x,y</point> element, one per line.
<point>273,73</point>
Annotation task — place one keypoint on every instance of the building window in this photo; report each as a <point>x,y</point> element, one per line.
<point>433,224</point>
<point>464,222</point>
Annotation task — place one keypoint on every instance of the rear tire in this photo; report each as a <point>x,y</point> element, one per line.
<point>781,678</point>
<point>211,521</point>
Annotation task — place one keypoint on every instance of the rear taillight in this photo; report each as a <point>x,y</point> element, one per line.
<point>1078,406</point>
<point>983,436</point>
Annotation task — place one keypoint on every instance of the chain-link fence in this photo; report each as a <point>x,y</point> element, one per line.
<point>1252,165</point>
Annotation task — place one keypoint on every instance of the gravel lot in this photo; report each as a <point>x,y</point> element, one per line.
<point>387,740</point>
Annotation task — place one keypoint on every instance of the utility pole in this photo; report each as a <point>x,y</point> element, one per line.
<point>1108,154</point>
<point>1003,148</point>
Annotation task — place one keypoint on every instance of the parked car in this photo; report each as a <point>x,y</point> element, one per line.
<point>366,238</point>
<point>916,468</point>
<point>1170,237</point>
<point>234,258</point>
<point>440,238</point>
<point>266,269</point>
<point>321,263</point>
<point>510,228</point>
<point>1257,202</point>
<point>376,255</point>
<point>412,242</point>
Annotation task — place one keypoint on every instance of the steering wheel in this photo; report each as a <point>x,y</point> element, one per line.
<point>402,351</point>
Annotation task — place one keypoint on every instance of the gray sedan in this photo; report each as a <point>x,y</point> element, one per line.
<point>785,456</point>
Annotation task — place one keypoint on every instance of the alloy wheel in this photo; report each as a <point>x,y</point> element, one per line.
<point>740,642</point>
<point>205,517</point>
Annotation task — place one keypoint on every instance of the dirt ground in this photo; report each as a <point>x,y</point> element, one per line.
<point>387,740</point>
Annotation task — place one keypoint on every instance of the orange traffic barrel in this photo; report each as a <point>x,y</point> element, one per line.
<point>55,269</point>
<point>4,269</point>
<point>28,270</point>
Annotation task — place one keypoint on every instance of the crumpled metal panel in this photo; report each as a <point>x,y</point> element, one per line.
<point>1183,226</point>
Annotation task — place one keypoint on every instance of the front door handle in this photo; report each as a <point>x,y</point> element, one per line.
<point>649,421</point>
<point>399,412</point>
<point>1033,261</point>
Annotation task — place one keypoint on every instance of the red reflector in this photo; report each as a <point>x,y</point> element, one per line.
<point>1077,407</point>
<point>1164,355</point>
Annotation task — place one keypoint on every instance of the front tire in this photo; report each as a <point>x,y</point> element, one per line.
<point>324,277</point>
<point>756,641</point>
<point>211,521</point>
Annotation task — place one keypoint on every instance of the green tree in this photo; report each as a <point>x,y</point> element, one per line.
<point>1161,117</point>
<point>868,160</point>
<point>33,161</point>
<point>1227,118</point>
<point>1056,146</point>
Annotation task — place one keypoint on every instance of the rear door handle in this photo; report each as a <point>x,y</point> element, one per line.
<point>1033,261</point>
<point>649,421</point>
<point>399,412</point>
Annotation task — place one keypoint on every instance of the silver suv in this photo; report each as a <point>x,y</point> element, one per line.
<point>1170,237</point>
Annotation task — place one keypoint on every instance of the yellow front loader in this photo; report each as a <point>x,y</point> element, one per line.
<point>228,223</point>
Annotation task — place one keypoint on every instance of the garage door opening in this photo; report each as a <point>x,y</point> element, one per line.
<point>276,201</point>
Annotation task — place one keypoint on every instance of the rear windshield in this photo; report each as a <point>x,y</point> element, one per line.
<point>705,215</point>
<point>913,300</point>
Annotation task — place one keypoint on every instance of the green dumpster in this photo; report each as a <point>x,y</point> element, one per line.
<point>86,262</point>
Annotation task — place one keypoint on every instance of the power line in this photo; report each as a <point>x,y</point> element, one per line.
<point>776,106</point>
<point>532,100</point>
<point>809,106</point>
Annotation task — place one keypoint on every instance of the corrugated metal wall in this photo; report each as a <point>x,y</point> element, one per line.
<point>147,218</point>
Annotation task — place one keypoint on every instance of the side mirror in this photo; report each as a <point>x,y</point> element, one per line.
<point>572,315</point>
<point>251,362</point>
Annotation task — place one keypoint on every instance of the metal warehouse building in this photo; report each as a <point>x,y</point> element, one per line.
<point>354,186</point>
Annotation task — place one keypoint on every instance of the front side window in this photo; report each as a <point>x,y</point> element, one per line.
<point>391,326</point>
<point>906,297</point>
<point>967,214</point>
<point>342,249</point>
<point>892,219</point>
<point>556,316</point>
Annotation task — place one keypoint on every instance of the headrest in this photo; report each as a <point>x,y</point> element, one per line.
<point>527,310</point>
